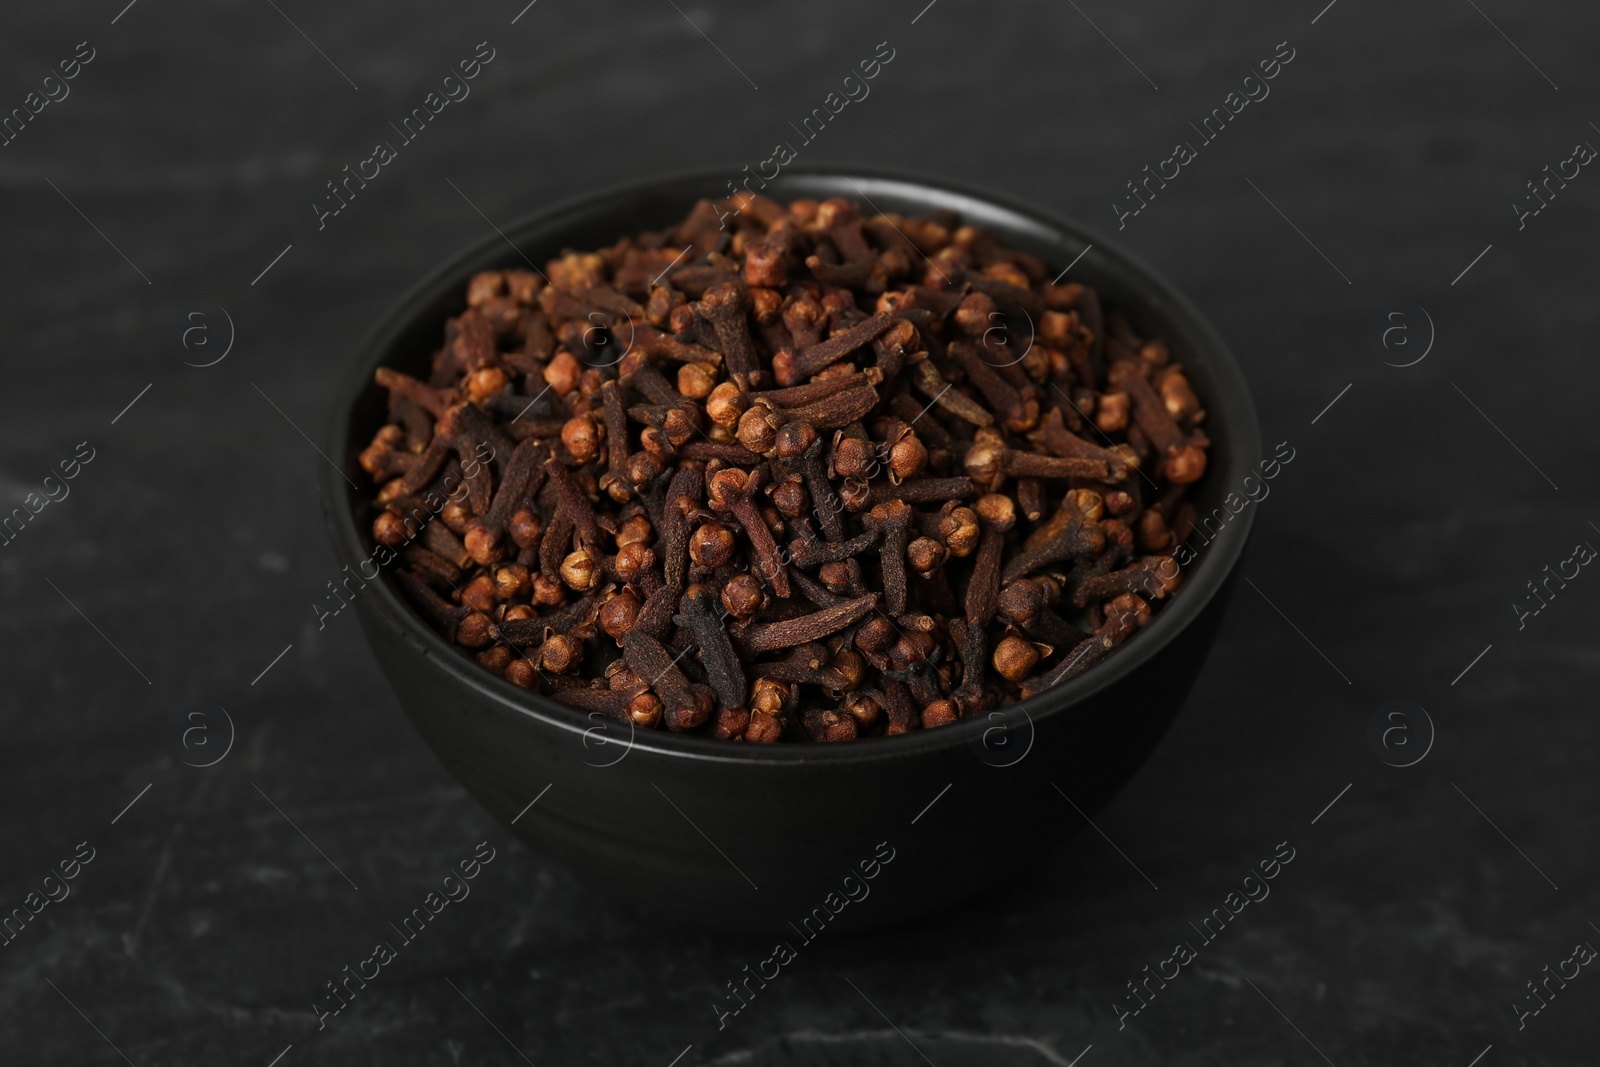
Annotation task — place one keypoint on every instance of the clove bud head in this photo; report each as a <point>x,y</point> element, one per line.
<point>560,653</point>
<point>756,431</point>
<point>959,527</point>
<point>525,528</point>
<point>580,570</point>
<point>726,404</point>
<point>926,556</point>
<point>997,510</point>
<point>645,710</point>
<point>985,463</point>
<point>852,458</point>
<point>581,437</point>
<point>940,713</point>
<point>768,696</point>
<point>794,439</point>
<point>742,596</point>
<point>633,559</point>
<point>618,615</point>
<point>1022,600</point>
<point>712,544</point>
<point>1185,464</point>
<point>907,458</point>
<point>1015,658</point>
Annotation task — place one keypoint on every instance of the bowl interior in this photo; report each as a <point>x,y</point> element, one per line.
<point>412,330</point>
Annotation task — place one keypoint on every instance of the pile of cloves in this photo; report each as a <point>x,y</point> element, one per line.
<point>788,473</point>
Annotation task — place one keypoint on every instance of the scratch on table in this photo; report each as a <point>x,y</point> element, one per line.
<point>130,942</point>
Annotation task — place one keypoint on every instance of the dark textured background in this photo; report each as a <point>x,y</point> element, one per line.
<point>1396,541</point>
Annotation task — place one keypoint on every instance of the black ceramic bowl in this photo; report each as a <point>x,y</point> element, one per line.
<point>781,838</point>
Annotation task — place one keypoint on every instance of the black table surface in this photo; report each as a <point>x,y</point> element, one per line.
<point>171,190</point>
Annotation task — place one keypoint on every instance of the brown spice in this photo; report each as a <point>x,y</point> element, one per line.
<point>714,534</point>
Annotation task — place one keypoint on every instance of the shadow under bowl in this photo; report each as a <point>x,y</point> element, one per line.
<point>763,838</point>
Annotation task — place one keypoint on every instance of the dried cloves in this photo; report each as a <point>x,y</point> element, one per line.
<point>816,497</point>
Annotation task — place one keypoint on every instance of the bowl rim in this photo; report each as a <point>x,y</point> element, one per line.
<point>1203,579</point>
